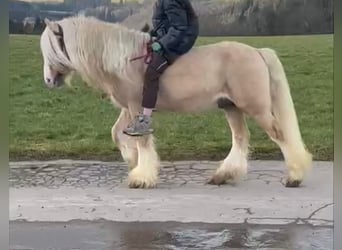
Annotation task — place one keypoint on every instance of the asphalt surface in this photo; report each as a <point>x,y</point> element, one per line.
<point>98,235</point>
<point>87,205</point>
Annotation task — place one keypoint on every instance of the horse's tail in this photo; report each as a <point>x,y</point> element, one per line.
<point>284,111</point>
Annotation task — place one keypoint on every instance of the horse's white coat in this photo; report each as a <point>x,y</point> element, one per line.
<point>253,79</point>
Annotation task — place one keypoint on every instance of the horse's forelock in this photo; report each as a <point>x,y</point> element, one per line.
<point>52,54</point>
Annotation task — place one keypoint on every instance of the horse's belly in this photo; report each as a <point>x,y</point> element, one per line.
<point>188,93</point>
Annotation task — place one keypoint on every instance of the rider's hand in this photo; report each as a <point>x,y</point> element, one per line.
<point>156,47</point>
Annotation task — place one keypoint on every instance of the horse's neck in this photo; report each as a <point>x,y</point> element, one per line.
<point>113,72</point>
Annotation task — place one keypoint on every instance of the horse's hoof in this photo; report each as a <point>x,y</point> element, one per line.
<point>227,177</point>
<point>292,183</point>
<point>140,178</point>
<point>217,180</point>
<point>141,184</point>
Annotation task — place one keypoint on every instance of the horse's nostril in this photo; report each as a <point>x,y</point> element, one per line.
<point>48,80</point>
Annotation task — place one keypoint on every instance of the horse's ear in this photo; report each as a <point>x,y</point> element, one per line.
<point>54,27</point>
<point>46,21</point>
<point>145,28</point>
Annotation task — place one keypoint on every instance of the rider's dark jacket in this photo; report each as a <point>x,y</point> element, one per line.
<point>175,24</point>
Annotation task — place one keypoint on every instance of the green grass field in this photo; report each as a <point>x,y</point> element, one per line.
<point>76,122</point>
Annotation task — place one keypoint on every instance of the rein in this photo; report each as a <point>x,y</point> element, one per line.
<point>148,56</point>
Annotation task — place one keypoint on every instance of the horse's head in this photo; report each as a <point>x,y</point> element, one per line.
<point>146,28</point>
<point>56,59</point>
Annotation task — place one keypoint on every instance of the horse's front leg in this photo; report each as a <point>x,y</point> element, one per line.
<point>145,174</point>
<point>126,144</point>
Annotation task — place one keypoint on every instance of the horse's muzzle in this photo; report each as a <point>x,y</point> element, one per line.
<point>55,82</point>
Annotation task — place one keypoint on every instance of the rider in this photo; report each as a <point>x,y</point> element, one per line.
<point>175,30</point>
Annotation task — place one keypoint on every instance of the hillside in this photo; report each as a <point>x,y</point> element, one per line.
<point>255,17</point>
<point>217,17</point>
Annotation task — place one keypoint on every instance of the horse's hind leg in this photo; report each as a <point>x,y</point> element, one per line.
<point>126,144</point>
<point>278,118</point>
<point>234,166</point>
<point>295,158</point>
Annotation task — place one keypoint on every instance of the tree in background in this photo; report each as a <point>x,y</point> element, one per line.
<point>83,4</point>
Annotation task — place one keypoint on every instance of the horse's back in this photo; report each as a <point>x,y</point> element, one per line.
<point>210,56</point>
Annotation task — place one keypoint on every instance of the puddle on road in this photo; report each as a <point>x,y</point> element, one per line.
<point>169,236</point>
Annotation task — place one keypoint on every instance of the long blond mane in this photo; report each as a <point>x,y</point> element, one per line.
<point>96,48</point>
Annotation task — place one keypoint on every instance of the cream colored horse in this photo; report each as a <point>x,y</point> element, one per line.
<point>237,78</point>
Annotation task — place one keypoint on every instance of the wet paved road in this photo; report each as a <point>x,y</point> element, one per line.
<point>171,236</point>
<point>87,205</point>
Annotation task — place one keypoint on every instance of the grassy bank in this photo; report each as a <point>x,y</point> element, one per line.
<point>76,122</point>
